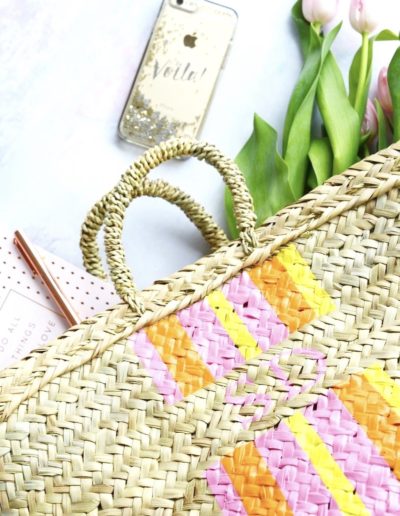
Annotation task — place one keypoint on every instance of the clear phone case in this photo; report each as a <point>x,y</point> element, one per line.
<point>177,76</point>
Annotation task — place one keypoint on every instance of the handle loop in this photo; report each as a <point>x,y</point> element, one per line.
<point>110,210</point>
<point>206,224</point>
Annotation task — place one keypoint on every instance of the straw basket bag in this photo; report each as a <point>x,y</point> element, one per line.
<point>263,379</point>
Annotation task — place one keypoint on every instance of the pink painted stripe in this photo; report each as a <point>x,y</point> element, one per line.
<point>221,487</point>
<point>211,340</point>
<point>299,482</point>
<point>151,361</point>
<point>255,311</point>
<point>356,455</point>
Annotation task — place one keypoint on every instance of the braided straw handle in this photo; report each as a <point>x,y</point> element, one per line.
<point>206,224</point>
<point>110,211</point>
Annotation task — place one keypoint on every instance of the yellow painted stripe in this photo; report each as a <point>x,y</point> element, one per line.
<point>299,271</point>
<point>384,385</point>
<point>233,325</point>
<point>327,468</point>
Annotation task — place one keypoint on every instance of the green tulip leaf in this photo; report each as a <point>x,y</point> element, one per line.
<point>394,87</point>
<point>265,172</point>
<point>340,119</point>
<point>354,73</point>
<point>383,140</point>
<point>298,123</point>
<point>354,77</point>
<point>364,139</point>
<point>386,35</point>
<point>302,26</point>
<point>321,160</point>
<point>304,85</point>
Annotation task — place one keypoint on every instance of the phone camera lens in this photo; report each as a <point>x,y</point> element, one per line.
<point>179,2</point>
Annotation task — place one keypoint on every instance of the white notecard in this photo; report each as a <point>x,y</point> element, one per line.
<point>29,318</point>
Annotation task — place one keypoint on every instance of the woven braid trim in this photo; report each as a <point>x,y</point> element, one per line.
<point>365,181</point>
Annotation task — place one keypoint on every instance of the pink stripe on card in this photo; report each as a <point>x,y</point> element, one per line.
<point>356,455</point>
<point>255,311</point>
<point>210,338</point>
<point>221,487</point>
<point>299,482</point>
<point>151,361</point>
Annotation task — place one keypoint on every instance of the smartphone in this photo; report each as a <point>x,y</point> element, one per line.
<point>178,73</point>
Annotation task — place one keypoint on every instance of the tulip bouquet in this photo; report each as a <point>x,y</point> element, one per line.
<point>353,126</point>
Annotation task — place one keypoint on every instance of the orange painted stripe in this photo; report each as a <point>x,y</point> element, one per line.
<point>178,353</point>
<point>380,422</point>
<point>282,294</point>
<point>254,483</point>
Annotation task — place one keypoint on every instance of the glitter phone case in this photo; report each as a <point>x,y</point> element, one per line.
<point>177,76</point>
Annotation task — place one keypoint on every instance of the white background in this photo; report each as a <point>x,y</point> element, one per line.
<point>66,68</point>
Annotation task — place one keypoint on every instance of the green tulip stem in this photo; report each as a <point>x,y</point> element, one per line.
<point>363,74</point>
<point>317,27</point>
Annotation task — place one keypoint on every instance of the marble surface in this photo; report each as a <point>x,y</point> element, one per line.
<point>66,69</point>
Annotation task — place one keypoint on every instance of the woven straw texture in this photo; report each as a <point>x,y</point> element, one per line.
<point>259,383</point>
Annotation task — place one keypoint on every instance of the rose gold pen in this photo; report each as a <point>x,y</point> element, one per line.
<point>39,267</point>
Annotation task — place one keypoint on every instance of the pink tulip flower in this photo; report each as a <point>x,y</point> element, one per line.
<point>383,93</point>
<point>319,11</point>
<point>370,122</point>
<point>363,15</point>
